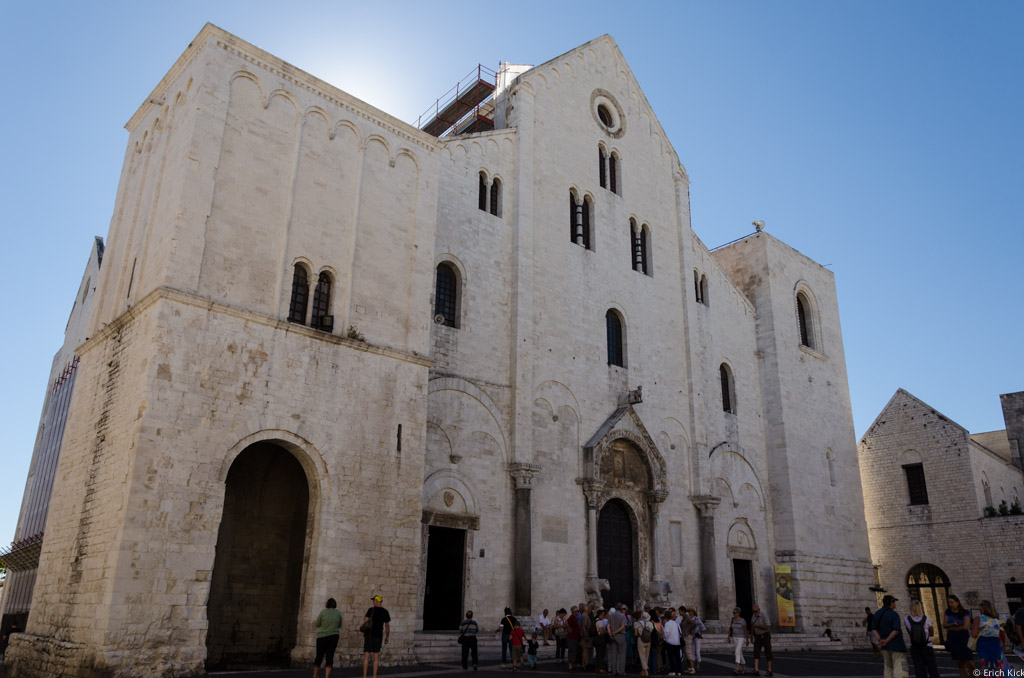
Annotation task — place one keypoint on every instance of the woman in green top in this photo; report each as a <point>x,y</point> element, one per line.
<point>328,628</point>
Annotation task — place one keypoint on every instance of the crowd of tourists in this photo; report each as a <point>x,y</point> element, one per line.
<point>966,635</point>
<point>588,637</point>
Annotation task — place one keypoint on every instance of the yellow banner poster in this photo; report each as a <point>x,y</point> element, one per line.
<point>784,595</point>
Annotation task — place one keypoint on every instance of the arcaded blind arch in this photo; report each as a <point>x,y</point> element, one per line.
<point>300,295</point>
<point>446,294</point>
<point>616,348</point>
<point>728,392</point>
<point>322,303</point>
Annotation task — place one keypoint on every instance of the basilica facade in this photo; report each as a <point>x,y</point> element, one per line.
<point>333,354</point>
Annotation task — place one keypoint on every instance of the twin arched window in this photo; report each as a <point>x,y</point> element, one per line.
<point>700,287</point>
<point>489,195</point>
<point>616,343</point>
<point>581,214</point>
<point>608,169</point>
<point>446,296</point>
<point>321,318</point>
<point>640,239</point>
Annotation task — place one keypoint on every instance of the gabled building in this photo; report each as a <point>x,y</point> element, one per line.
<point>932,496</point>
<point>334,354</point>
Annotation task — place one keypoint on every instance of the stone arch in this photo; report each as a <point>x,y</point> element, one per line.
<point>740,536</point>
<point>439,481</point>
<point>648,453</point>
<point>720,461</point>
<point>910,457</point>
<point>474,393</point>
<point>267,523</point>
<point>309,457</point>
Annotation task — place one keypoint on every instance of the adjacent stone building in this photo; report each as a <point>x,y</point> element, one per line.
<point>335,354</point>
<point>933,493</point>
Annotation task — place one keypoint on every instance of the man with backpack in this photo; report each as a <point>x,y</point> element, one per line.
<point>644,631</point>
<point>886,627</point>
<point>919,628</point>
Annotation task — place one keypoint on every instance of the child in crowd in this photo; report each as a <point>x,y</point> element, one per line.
<point>518,638</point>
<point>531,655</point>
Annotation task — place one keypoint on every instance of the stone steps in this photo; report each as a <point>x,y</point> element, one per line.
<point>432,647</point>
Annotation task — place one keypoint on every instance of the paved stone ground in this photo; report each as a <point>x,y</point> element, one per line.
<point>805,664</point>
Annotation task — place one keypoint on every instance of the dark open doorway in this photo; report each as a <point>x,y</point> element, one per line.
<point>615,553</point>
<point>257,572</point>
<point>743,575</point>
<point>442,597</point>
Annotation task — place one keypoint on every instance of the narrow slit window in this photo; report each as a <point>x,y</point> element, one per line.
<point>728,396</point>
<point>482,196</point>
<point>300,295</point>
<point>644,242</point>
<point>613,171</point>
<point>574,235</point>
<point>803,321</point>
<point>615,348</point>
<point>601,170</point>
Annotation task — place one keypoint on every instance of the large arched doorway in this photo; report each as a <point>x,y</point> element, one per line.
<point>257,572</point>
<point>615,553</point>
<point>930,585</point>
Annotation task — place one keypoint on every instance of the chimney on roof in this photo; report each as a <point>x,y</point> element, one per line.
<point>1013,415</point>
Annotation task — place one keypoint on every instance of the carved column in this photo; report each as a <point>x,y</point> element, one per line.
<point>706,504</point>
<point>659,588</point>
<point>592,490</point>
<point>522,475</point>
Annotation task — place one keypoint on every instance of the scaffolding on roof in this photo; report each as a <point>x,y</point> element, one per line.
<point>465,108</point>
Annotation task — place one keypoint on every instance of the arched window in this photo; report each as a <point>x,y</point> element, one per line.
<point>696,287</point>
<point>587,221</point>
<point>613,173</point>
<point>634,244</point>
<point>728,392</point>
<point>616,350</point>
<point>446,295</point>
<point>639,236</point>
<point>496,197</point>
<point>831,459</point>
<point>602,167</point>
<point>300,295</point>
<point>482,195</point>
<point>321,319</point>
<point>803,318</point>
<point>645,246</point>
<point>575,235</point>
<point>930,585</point>
<point>704,291</point>
<point>987,489</point>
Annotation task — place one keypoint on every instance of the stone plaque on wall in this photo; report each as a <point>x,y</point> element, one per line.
<point>554,529</point>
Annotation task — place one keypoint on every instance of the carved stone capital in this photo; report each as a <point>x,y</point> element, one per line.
<point>593,490</point>
<point>706,503</point>
<point>523,474</point>
<point>655,497</point>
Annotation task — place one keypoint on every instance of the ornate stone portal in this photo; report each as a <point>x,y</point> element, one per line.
<point>621,462</point>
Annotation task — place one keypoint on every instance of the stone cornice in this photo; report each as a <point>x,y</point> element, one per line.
<point>188,299</point>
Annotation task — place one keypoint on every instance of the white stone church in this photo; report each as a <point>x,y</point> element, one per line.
<point>333,354</point>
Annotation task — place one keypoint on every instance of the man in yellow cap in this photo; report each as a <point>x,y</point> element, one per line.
<point>379,633</point>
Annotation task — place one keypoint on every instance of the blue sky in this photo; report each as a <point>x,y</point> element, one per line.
<point>882,139</point>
